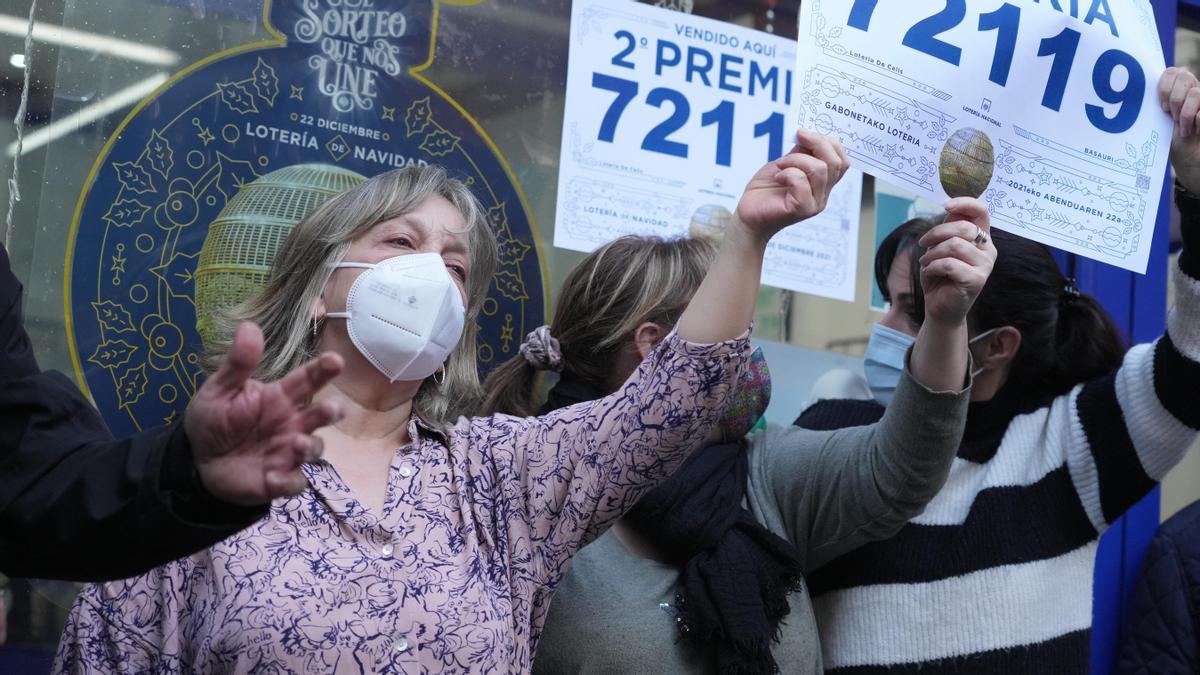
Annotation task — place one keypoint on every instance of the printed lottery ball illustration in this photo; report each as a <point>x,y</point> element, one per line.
<point>968,160</point>
<point>710,220</point>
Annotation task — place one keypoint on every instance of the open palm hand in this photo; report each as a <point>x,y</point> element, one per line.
<point>250,438</point>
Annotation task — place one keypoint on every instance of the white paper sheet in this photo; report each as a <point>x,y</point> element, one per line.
<point>668,115</point>
<point>1047,110</point>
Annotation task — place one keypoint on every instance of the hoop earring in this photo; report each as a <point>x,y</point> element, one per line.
<point>442,381</point>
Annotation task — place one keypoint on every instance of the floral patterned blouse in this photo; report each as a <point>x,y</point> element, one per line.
<point>457,572</point>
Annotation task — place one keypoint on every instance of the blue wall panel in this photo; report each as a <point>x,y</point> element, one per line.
<point>1138,303</point>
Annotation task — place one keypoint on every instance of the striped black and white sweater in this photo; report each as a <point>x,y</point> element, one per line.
<point>996,575</point>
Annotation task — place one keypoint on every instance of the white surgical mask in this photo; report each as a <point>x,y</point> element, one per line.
<point>404,314</point>
<point>884,361</point>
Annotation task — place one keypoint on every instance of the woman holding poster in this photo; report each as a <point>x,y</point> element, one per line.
<point>706,573</point>
<point>1066,431</point>
<point>429,541</point>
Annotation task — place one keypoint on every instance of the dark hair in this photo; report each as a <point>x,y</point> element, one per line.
<point>1066,336</point>
<point>903,240</point>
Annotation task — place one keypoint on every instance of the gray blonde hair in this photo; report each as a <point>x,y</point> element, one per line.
<point>618,287</point>
<point>305,262</point>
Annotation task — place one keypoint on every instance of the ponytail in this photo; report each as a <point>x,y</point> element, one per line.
<point>1088,343</point>
<point>509,388</point>
<point>1066,336</point>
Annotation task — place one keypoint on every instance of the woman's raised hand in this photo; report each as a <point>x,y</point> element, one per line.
<point>958,261</point>
<point>1179,95</point>
<point>792,188</point>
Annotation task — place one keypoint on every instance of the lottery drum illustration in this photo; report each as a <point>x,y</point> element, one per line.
<point>236,258</point>
<point>967,163</point>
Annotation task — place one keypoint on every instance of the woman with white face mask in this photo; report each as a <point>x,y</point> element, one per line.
<point>429,541</point>
<point>1066,431</point>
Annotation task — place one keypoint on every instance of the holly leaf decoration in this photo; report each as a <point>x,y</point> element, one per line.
<point>113,317</point>
<point>512,251</point>
<point>133,177</point>
<point>131,386</point>
<point>266,84</point>
<point>112,354</point>
<point>159,154</point>
<point>418,116</point>
<point>126,213</point>
<point>238,97</point>
<point>498,217</point>
<point>232,174</point>
<point>440,143</point>
<point>510,286</point>
<point>179,275</point>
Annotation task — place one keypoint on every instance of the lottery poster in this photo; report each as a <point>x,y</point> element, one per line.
<point>1048,111</point>
<point>668,115</point>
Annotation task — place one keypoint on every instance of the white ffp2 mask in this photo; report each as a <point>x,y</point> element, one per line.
<point>404,314</point>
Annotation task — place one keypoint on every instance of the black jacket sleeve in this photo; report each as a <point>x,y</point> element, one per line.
<point>1160,636</point>
<point>75,503</point>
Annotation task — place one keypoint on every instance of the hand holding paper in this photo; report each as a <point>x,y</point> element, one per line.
<point>792,188</point>
<point>958,262</point>
<point>1179,95</point>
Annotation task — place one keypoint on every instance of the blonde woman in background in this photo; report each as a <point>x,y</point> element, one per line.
<point>429,541</point>
<point>706,573</point>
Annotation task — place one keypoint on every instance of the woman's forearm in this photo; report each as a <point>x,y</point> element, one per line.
<point>940,357</point>
<point>723,306</point>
